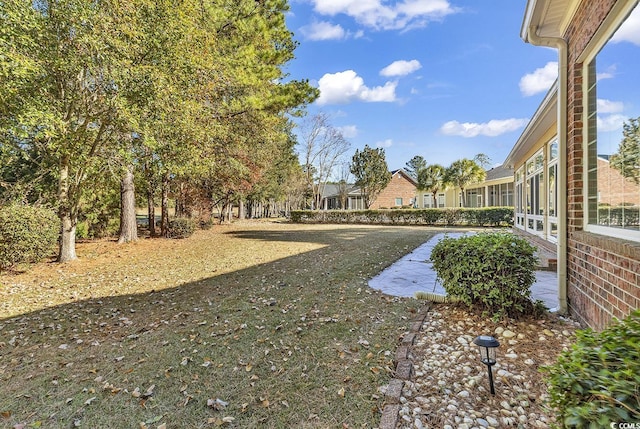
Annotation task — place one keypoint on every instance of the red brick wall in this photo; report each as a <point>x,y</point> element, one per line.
<point>602,272</point>
<point>399,187</point>
<point>614,188</point>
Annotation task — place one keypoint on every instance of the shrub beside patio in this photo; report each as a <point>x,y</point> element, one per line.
<point>490,272</point>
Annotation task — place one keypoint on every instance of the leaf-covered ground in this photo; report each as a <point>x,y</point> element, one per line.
<point>251,325</point>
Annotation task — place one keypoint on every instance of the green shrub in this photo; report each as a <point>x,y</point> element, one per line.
<point>27,234</point>
<point>490,271</point>
<point>452,216</point>
<point>486,216</point>
<point>206,224</point>
<point>597,381</point>
<point>82,230</point>
<point>181,227</point>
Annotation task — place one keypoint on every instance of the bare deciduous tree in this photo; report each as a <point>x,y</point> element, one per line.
<point>321,148</point>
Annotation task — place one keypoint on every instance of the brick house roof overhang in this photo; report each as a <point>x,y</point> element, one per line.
<point>406,175</point>
<point>544,118</point>
<point>549,18</point>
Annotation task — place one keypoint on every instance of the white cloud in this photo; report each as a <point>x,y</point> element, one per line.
<point>401,68</point>
<point>609,73</point>
<point>610,122</point>
<point>629,31</point>
<point>374,14</point>
<point>323,31</point>
<point>540,80</point>
<point>608,106</point>
<point>348,131</point>
<point>347,86</point>
<point>493,128</point>
<point>385,143</point>
<point>434,8</point>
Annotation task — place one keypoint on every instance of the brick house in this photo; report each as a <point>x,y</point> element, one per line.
<point>567,192</point>
<point>400,192</point>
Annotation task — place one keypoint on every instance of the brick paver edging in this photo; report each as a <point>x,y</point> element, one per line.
<point>404,371</point>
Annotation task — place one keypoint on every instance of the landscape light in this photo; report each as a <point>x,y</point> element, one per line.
<point>487,346</point>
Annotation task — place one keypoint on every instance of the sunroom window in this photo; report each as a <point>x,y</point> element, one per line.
<point>613,135</point>
<point>552,186</point>
<point>534,191</point>
<point>520,198</point>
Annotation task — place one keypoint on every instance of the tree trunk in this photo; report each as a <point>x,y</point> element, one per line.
<point>229,212</point>
<point>68,239</point>
<point>151,189</point>
<point>151,212</point>
<point>241,209</point>
<point>435,200</point>
<point>164,215</point>
<point>128,224</point>
<point>68,217</point>
<point>180,202</point>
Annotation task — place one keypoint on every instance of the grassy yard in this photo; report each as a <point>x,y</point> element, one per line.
<point>251,325</point>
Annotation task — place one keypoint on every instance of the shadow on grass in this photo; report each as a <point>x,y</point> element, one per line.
<point>296,342</point>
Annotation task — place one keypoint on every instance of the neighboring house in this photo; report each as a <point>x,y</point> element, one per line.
<point>341,197</point>
<point>495,191</point>
<point>400,192</point>
<point>566,192</point>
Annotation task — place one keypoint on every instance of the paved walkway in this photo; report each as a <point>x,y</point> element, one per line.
<point>414,273</point>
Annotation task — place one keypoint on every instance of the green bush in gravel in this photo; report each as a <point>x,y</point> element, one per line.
<point>490,271</point>
<point>597,381</point>
<point>181,227</point>
<point>27,234</point>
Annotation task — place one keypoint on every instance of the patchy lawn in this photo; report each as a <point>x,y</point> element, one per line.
<point>250,325</point>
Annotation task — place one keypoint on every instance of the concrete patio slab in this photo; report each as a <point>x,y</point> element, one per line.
<point>414,273</point>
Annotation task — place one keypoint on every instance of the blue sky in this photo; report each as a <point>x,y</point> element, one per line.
<point>435,78</point>
<point>443,79</point>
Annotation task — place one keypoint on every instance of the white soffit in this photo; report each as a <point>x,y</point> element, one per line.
<point>544,118</point>
<point>550,17</point>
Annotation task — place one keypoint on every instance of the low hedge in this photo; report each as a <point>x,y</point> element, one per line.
<point>27,234</point>
<point>486,216</point>
<point>181,227</point>
<point>597,381</point>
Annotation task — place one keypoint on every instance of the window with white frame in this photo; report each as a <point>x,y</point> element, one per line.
<point>613,134</point>
<point>398,201</point>
<point>552,190</point>
<point>520,198</point>
<point>534,193</point>
<point>441,200</point>
<point>473,198</point>
<point>506,194</point>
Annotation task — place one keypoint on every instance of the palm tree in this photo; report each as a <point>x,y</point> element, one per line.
<point>462,173</point>
<point>432,179</point>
